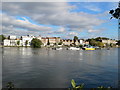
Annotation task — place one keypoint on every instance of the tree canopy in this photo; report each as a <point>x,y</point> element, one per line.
<point>75,38</point>
<point>36,43</point>
<point>115,13</point>
<point>2,37</point>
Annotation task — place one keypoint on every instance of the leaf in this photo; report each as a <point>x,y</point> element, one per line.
<point>73,83</point>
<point>111,11</point>
<point>82,85</point>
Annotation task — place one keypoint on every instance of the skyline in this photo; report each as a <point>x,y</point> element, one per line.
<point>66,19</point>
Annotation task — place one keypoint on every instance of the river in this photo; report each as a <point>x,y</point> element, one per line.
<point>46,68</point>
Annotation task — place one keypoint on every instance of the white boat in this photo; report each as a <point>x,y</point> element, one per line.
<point>73,48</point>
<point>59,48</point>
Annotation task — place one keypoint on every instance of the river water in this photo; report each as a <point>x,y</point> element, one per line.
<point>46,68</point>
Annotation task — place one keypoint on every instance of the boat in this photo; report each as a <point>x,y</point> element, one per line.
<point>88,48</point>
<point>59,48</point>
<point>73,48</point>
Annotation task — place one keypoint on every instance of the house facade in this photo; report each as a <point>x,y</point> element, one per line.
<point>72,42</point>
<point>26,40</point>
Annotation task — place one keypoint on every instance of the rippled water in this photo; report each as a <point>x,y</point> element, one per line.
<point>43,68</point>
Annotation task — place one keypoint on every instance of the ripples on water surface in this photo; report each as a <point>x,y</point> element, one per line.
<point>41,68</point>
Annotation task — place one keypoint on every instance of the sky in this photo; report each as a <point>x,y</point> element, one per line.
<point>59,19</point>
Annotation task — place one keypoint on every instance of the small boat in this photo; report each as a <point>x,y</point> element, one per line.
<point>108,48</point>
<point>88,48</point>
<point>73,48</point>
<point>59,48</point>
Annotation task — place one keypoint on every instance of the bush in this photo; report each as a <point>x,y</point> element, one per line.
<point>36,43</point>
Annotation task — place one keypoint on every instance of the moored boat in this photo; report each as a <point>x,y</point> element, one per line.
<point>73,48</point>
<point>89,48</point>
<point>59,48</point>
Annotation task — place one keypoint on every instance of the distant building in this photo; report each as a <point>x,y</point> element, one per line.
<point>12,37</point>
<point>109,41</point>
<point>26,40</point>
<point>51,40</point>
<point>72,42</point>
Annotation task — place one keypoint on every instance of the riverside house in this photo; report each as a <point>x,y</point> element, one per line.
<point>72,42</point>
<point>12,40</point>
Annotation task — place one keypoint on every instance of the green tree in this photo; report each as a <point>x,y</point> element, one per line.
<point>93,42</point>
<point>26,42</point>
<point>100,44</point>
<point>2,37</point>
<point>48,43</point>
<point>75,38</point>
<point>18,43</point>
<point>60,43</point>
<point>36,43</point>
<point>118,42</point>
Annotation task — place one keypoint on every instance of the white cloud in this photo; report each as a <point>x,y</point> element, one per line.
<point>93,8</point>
<point>73,34</point>
<point>11,22</point>
<point>93,31</point>
<point>53,14</point>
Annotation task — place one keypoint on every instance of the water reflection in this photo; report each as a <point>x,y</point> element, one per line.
<point>48,68</point>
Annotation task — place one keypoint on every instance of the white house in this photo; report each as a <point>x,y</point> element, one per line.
<point>27,40</point>
<point>12,37</point>
<point>6,42</point>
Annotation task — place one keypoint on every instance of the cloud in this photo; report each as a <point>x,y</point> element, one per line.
<point>93,31</point>
<point>58,14</point>
<point>92,8</point>
<point>10,24</point>
<point>73,34</point>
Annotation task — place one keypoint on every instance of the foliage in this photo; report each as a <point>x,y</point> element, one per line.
<point>118,42</point>
<point>2,37</point>
<point>48,43</point>
<point>10,86</point>
<point>115,13</point>
<point>75,87</point>
<point>26,42</point>
<point>75,38</point>
<point>36,43</point>
<point>18,43</point>
<point>100,44</point>
<point>80,46</point>
<point>93,42</point>
<point>60,43</point>
<point>103,38</point>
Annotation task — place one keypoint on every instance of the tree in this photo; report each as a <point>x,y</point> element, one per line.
<point>18,43</point>
<point>2,37</point>
<point>36,43</point>
<point>26,42</point>
<point>60,43</point>
<point>115,13</point>
<point>48,43</point>
<point>118,42</point>
<point>92,42</point>
<point>75,38</point>
<point>100,44</point>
